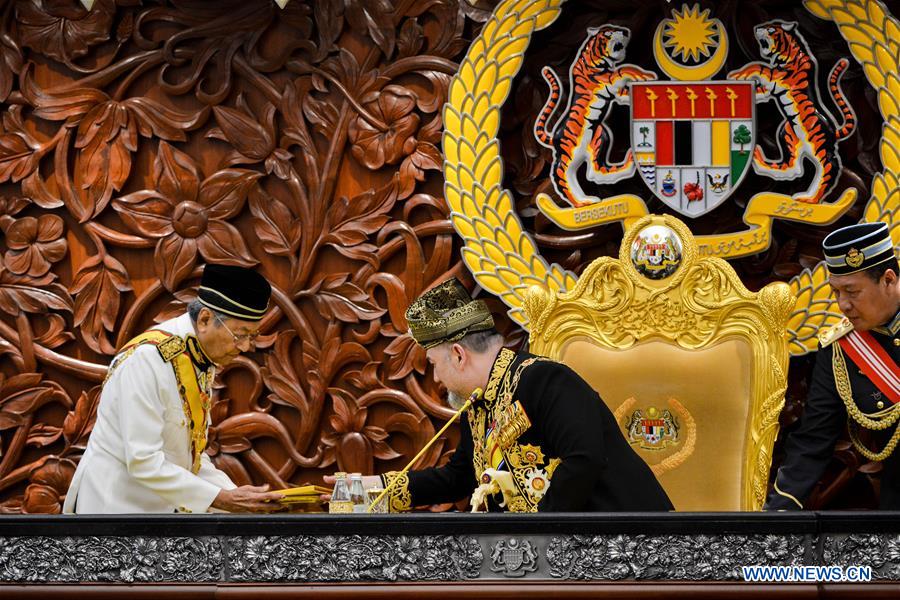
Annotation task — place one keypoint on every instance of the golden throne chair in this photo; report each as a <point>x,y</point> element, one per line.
<point>692,364</point>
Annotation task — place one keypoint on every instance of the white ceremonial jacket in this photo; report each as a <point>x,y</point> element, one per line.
<point>138,458</point>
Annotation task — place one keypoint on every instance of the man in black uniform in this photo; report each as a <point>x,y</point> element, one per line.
<point>538,421</point>
<point>856,377</point>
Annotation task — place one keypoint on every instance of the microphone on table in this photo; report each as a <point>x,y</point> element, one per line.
<point>474,397</point>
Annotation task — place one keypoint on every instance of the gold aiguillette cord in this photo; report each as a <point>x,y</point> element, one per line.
<point>473,398</point>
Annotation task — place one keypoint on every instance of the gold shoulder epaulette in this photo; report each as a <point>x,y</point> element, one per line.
<point>171,348</point>
<point>831,334</point>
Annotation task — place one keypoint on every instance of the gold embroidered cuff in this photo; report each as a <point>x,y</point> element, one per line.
<point>399,498</point>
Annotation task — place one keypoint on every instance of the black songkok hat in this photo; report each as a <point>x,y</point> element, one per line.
<point>235,291</point>
<point>446,313</point>
<point>857,248</point>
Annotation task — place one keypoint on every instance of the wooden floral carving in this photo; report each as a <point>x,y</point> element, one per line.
<point>142,139</point>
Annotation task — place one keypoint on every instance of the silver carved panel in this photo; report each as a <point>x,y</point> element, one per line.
<point>110,559</point>
<point>684,557</point>
<point>879,551</point>
<point>354,558</point>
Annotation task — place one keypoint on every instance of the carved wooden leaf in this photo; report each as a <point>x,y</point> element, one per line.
<point>176,307</point>
<point>23,395</point>
<point>9,420</point>
<point>174,259</point>
<point>286,387</point>
<point>59,106</point>
<point>427,157</point>
<point>243,131</point>
<point>322,115</point>
<point>146,212</point>
<point>295,385</point>
<point>380,448</point>
<point>432,101</point>
<point>175,174</point>
<point>55,473</point>
<point>363,252</point>
<point>405,356</point>
<point>224,192</point>
<point>412,170</point>
<point>17,157</point>
<point>365,378</point>
<point>347,415</point>
<point>373,18</point>
<point>364,214</point>
<point>295,131</point>
<point>274,224</point>
<point>223,243</point>
<point>344,68</point>
<point>21,294</point>
<point>103,162</point>
<point>329,22</point>
<point>43,434</point>
<point>450,39</point>
<point>80,422</point>
<point>37,190</point>
<point>155,120</point>
<point>98,286</point>
<point>352,221</point>
<point>51,332</point>
<point>337,354</point>
<point>50,481</point>
<point>11,205</point>
<point>10,65</point>
<point>337,298</point>
<point>410,39</point>
<point>40,499</point>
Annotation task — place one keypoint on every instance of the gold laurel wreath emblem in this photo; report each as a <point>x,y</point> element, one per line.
<point>504,259</point>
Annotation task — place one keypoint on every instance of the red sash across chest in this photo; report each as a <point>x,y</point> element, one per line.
<point>872,359</point>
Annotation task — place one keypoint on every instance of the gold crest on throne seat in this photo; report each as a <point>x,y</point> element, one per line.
<point>692,363</point>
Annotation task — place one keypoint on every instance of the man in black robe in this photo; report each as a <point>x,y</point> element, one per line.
<point>538,421</point>
<point>856,377</point>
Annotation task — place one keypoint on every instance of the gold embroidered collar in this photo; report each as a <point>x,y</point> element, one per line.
<point>501,364</point>
<point>198,356</point>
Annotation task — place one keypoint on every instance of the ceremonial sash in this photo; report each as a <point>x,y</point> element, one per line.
<point>493,456</point>
<point>194,400</point>
<point>874,362</point>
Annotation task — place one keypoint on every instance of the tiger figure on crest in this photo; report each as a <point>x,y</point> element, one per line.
<point>808,130</point>
<point>596,81</point>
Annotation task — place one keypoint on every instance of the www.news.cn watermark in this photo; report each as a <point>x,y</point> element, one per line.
<point>807,574</point>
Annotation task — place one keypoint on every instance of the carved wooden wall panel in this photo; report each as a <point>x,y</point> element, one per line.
<point>140,140</point>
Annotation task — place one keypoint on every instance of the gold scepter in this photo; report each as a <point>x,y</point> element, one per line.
<point>473,398</point>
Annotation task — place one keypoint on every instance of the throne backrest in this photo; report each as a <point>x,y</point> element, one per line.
<point>692,363</point>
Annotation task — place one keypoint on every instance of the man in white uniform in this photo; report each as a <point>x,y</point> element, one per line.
<point>146,451</point>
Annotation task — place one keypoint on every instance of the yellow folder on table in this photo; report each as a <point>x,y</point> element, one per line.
<point>304,493</point>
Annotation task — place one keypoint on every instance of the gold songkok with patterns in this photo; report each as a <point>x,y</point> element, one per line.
<point>447,313</point>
